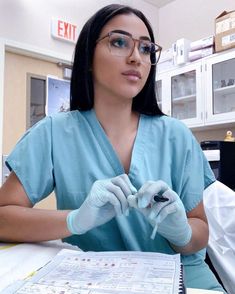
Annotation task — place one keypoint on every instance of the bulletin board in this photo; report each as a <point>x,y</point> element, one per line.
<point>57,95</point>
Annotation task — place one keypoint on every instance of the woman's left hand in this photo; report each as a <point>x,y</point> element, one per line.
<point>166,213</point>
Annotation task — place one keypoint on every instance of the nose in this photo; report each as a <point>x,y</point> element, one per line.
<point>134,57</point>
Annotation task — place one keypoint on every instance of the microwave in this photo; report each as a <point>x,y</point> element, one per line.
<point>221,157</point>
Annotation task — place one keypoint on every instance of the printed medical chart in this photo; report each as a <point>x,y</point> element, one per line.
<point>72,272</point>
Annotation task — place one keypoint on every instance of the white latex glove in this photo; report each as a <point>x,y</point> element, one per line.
<point>106,199</point>
<point>167,217</point>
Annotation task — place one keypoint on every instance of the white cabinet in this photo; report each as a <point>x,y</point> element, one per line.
<point>200,93</point>
<point>220,89</point>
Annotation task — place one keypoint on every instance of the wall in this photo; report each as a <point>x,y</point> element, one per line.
<point>16,87</point>
<point>15,93</point>
<point>190,19</point>
<point>217,134</point>
<point>29,22</point>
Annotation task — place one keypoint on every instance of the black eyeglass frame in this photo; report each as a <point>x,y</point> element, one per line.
<point>159,48</point>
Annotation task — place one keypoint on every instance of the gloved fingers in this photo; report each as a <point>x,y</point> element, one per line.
<point>159,186</point>
<point>168,209</point>
<point>144,195</point>
<point>149,190</point>
<point>112,198</point>
<point>159,216</point>
<point>125,184</point>
<point>157,206</point>
<point>156,209</point>
<point>117,194</point>
<point>170,194</point>
<point>132,201</point>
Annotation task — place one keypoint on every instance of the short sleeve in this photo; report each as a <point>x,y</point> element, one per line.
<point>197,175</point>
<point>32,162</point>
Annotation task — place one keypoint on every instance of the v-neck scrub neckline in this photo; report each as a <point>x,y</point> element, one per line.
<point>137,150</point>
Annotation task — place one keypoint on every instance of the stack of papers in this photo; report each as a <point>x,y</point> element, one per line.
<point>128,272</point>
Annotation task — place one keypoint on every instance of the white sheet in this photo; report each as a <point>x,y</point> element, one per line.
<point>19,261</point>
<point>219,202</point>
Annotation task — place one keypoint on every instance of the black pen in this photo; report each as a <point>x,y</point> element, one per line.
<point>159,198</point>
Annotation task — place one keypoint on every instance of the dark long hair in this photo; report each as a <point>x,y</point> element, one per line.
<point>82,91</point>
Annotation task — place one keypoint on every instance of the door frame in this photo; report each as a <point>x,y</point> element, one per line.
<point>26,50</point>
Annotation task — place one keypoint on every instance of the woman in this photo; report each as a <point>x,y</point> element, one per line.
<point>126,176</point>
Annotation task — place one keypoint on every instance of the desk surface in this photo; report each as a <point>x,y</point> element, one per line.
<point>18,265</point>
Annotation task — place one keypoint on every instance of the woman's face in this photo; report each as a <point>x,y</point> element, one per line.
<point>115,76</point>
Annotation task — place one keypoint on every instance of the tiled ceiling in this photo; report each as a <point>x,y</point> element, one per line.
<point>159,3</point>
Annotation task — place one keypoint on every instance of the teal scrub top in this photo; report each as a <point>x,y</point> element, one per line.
<point>68,152</point>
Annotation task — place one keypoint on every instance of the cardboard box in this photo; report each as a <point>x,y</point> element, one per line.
<point>225,31</point>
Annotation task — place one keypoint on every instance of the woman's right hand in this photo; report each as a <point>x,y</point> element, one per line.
<point>168,217</point>
<point>106,199</point>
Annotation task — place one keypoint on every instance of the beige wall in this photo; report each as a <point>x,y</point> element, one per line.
<point>17,67</point>
<point>216,134</point>
<point>15,91</point>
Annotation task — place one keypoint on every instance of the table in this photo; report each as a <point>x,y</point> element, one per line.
<point>15,263</point>
<point>18,265</point>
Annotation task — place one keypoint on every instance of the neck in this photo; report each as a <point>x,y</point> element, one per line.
<point>116,118</point>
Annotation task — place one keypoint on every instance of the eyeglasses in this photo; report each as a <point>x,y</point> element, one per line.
<point>122,44</point>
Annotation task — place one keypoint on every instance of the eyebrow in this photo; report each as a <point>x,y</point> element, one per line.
<point>128,34</point>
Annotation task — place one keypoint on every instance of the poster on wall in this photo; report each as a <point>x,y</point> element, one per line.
<point>58,95</point>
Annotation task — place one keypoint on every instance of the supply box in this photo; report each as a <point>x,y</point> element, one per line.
<point>225,31</point>
<point>181,49</point>
<point>202,43</point>
<point>198,54</point>
<point>201,48</point>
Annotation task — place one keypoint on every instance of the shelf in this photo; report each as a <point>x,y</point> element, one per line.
<point>187,98</point>
<point>225,90</point>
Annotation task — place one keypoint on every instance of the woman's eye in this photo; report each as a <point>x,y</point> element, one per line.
<point>145,48</point>
<point>119,42</point>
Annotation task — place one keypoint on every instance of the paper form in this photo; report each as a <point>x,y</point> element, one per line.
<point>73,272</point>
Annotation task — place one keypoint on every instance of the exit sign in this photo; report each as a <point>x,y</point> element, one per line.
<point>63,30</point>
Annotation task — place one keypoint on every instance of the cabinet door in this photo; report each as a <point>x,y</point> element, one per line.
<point>158,90</point>
<point>220,73</point>
<point>186,94</point>
<point>162,87</point>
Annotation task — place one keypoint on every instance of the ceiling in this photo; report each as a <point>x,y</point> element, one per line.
<point>159,3</point>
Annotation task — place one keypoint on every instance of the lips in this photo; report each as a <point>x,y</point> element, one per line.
<point>132,73</point>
